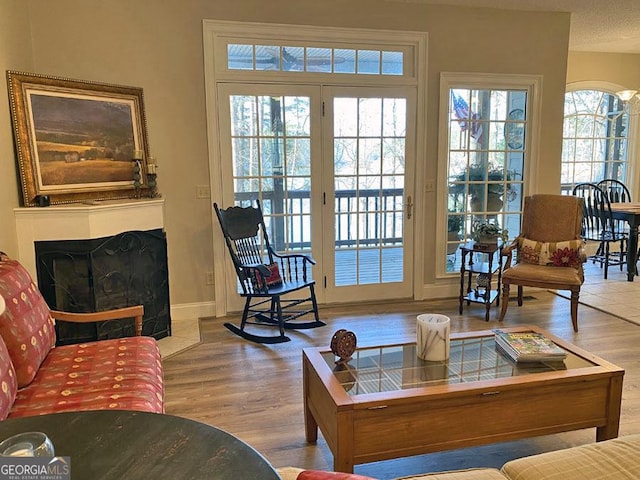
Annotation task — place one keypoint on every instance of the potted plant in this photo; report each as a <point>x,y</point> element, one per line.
<point>454,224</point>
<point>481,173</point>
<point>488,233</point>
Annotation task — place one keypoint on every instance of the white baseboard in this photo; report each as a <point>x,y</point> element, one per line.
<point>208,309</point>
<point>452,290</point>
<point>193,310</point>
<point>443,290</point>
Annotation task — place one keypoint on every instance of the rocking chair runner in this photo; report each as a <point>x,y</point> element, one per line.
<point>265,276</point>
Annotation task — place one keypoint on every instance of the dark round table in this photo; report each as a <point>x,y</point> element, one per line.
<point>115,444</point>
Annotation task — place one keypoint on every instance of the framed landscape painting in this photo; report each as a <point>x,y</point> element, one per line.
<point>76,140</point>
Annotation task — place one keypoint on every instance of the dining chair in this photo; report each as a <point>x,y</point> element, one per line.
<point>265,277</point>
<point>548,253</point>
<point>598,225</point>
<point>617,192</point>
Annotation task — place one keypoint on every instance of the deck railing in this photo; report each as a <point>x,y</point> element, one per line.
<point>364,218</point>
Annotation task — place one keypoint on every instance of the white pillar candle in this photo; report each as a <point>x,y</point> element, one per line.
<point>2,305</point>
<point>432,336</point>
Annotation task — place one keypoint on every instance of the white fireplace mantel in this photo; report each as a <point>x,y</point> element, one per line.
<point>82,222</point>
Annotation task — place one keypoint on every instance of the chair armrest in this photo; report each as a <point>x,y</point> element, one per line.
<point>293,265</point>
<point>137,311</point>
<point>294,256</point>
<point>508,252</point>
<point>583,255</point>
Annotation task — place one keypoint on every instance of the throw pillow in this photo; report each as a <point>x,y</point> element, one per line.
<point>8,383</point>
<point>26,325</point>
<point>565,254</point>
<point>557,254</point>
<point>274,279</point>
<point>529,251</point>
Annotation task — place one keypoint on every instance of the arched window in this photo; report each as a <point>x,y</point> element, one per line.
<point>594,138</point>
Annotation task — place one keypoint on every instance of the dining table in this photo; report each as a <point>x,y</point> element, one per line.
<point>630,213</point>
<point>119,444</point>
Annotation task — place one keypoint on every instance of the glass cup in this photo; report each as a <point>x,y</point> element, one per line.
<point>28,444</point>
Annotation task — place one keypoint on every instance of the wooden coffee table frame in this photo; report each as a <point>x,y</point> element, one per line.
<point>380,426</point>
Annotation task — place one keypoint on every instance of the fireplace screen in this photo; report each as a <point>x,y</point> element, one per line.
<point>106,273</point>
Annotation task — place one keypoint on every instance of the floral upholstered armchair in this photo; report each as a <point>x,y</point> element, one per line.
<point>549,250</point>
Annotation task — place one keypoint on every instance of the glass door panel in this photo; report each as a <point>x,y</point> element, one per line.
<point>271,151</point>
<point>370,202</point>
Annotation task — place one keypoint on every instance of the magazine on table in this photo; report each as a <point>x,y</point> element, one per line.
<point>528,347</point>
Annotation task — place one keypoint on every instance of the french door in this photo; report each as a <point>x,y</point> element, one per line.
<point>369,145</point>
<point>330,167</point>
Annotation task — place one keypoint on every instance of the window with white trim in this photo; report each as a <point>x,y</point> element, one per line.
<point>314,59</point>
<point>485,151</point>
<point>594,143</point>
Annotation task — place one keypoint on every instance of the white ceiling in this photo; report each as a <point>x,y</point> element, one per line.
<point>596,25</point>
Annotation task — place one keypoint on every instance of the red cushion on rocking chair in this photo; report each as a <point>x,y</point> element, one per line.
<point>274,279</point>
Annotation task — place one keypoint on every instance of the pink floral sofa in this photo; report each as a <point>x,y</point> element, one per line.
<point>37,378</point>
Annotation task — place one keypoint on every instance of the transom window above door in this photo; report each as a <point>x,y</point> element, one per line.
<point>314,59</point>
<point>329,55</point>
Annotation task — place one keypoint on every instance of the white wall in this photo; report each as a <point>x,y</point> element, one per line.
<point>15,54</point>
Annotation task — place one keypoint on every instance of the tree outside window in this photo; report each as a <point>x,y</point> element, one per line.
<point>594,138</point>
<point>486,155</point>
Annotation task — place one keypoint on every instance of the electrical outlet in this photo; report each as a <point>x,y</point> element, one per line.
<point>202,191</point>
<point>429,185</point>
<point>209,278</point>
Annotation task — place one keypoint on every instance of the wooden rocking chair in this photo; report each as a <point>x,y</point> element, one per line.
<point>265,276</point>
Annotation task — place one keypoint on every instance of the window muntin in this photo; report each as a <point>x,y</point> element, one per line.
<point>288,58</point>
<point>271,145</point>
<point>369,176</point>
<point>486,160</point>
<point>595,143</point>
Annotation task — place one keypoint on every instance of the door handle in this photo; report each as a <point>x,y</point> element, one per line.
<point>409,207</point>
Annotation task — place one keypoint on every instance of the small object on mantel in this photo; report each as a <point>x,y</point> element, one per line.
<point>343,344</point>
<point>152,174</point>
<point>42,200</point>
<point>136,177</point>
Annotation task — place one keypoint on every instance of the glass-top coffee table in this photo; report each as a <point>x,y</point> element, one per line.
<point>387,403</point>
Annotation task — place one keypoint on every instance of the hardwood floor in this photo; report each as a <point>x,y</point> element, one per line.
<point>255,391</point>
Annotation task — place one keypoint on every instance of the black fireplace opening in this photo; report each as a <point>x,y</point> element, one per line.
<point>94,275</point>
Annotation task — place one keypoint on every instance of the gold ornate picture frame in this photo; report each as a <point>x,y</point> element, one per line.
<point>76,140</point>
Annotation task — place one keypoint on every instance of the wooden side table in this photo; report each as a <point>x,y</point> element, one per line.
<point>485,270</point>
